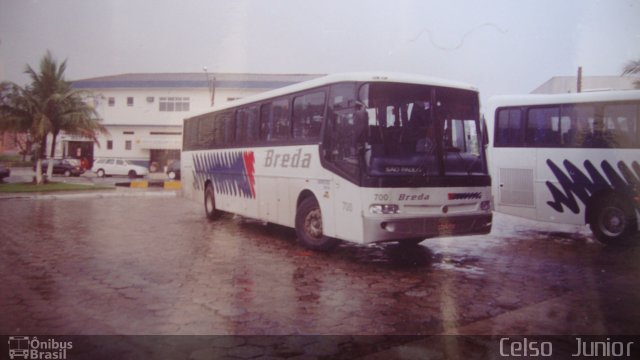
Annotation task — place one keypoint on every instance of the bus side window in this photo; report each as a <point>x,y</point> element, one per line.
<point>308,115</point>
<point>274,120</point>
<point>343,130</point>
<point>265,122</point>
<point>619,125</point>
<point>218,131</point>
<point>281,126</point>
<point>229,128</point>
<point>206,132</point>
<point>543,127</point>
<point>509,129</point>
<point>190,134</point>
<point>247,129</point>
<point>575,122</point>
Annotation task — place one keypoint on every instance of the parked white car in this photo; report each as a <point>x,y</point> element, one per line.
<point>110,166</point>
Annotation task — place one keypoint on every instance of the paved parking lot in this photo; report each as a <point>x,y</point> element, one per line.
<point>156,266</point>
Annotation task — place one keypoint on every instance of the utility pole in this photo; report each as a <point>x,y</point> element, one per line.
<point>579,84</point>
<point>211,82</point>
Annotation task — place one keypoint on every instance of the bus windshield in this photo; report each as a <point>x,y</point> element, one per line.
<point>419,130</point>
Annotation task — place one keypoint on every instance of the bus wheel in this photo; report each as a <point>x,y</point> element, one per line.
<point>309,227</point>
<point>210,204</point>
<point>613,221</point>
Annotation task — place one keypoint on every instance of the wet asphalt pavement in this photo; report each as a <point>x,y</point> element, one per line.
<point>143,265</point>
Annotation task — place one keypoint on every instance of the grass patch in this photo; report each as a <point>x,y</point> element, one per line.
<point>15,161</point>
<point>48,187</point>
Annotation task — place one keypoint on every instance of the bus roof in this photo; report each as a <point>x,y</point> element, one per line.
<point>344,77</point>
<point>548,99</point>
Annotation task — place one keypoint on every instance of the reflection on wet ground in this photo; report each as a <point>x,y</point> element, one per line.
<point>156,266</point>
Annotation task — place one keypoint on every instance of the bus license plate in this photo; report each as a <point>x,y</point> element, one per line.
<point>446,227</point>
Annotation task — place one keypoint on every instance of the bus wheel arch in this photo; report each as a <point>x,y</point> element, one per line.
<point>210,202</point>
<point>611,218</point>
<point>308,224</point>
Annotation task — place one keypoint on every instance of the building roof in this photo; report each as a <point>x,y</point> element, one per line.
<point>569,84</point>
<point>192,80</point>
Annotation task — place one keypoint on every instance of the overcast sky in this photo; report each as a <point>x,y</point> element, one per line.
<point>503,47</point>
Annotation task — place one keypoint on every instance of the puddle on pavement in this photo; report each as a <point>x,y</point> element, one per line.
<point>559,237</point>
<point>463,264</point>
<point>388,255</point>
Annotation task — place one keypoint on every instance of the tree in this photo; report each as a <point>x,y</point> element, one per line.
<point>20,112</point>
<point>633,68</point>
<point>48,105</point>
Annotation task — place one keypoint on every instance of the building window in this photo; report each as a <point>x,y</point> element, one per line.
<point>127,145</point>
<point>165,133</point>
<point>109,144</point>
<point>130,101</point>
<point>174,104</point>
<point>128,133</point>
<point>112,101</point>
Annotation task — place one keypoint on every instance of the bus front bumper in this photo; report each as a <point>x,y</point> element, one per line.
<point>376,230</point>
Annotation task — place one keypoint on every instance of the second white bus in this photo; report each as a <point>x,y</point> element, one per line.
<point>358,157</point>
<point>568,158</point>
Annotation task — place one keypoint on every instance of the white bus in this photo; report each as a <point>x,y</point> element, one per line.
<point>568,158</point>
<point>358,157</point>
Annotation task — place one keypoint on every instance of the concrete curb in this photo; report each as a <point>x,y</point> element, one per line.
<point>144,184</point>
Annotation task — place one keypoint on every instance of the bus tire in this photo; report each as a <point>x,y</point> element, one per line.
<point>210,204</point>
<point>309,227</point>
<point>412,242</point>
<point>613,221</point>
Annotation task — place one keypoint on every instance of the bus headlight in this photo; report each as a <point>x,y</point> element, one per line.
<point>384,209</point>
<point>485,205</point>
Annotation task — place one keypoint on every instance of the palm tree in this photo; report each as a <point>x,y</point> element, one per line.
<point>62,106</point>
<point>633,68</point>
<point>53,106</point>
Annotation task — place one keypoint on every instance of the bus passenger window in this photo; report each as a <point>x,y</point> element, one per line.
<point>543,127</point>
<point>247,129</point>
<point>218,131</point>
<point>574,124</point>
<point>191,134</point>
<point>280,129</point>
<point>206,132</point>
<point>619,126</point>
<point>274,120</point>
<point>308,115</point>
<point>346,120</point>
<point>265,122</point>
<point>509,128</point>
<point>229,128</point>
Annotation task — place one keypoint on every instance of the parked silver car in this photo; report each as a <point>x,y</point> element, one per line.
<point>112,166</point>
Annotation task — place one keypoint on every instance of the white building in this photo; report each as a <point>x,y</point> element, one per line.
<point>143,112</point>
